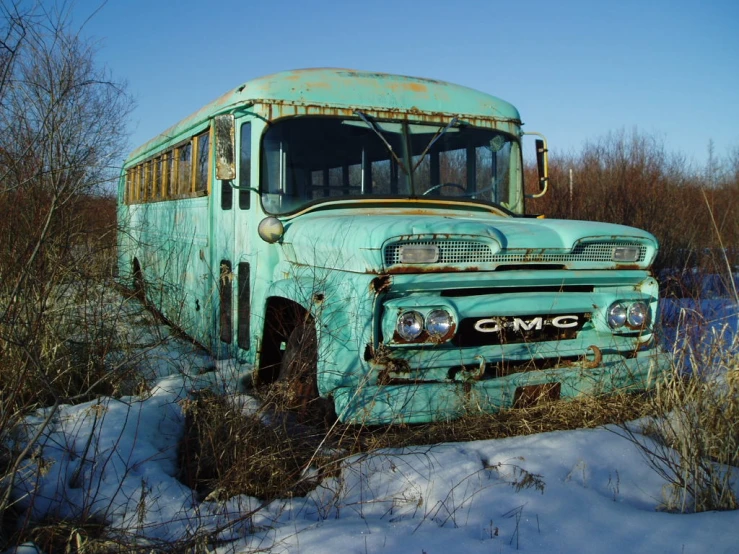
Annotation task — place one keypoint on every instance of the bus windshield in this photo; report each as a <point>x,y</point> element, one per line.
<point>308,160</point>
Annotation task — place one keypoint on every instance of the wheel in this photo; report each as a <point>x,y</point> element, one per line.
<point>298,376</point>
<point>437,187</point>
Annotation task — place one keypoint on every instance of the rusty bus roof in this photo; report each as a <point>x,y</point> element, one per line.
<point>351,89</point>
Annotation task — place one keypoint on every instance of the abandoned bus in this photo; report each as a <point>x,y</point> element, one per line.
<point>364,237</point>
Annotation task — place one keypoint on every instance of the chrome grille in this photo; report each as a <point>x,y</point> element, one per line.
<point>471,252</point>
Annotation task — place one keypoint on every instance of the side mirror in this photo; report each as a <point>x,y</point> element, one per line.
<point>542,165</point>
<point>225,147</point>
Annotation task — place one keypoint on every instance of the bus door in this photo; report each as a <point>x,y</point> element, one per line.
<point>232,203</point>
<point>244,202</point>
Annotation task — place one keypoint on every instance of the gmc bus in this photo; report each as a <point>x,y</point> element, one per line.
<point>363,238</point>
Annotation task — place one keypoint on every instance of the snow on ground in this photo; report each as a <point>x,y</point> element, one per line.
<point>589,490</point>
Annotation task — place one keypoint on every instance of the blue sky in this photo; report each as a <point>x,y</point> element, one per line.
<point>575,69</point>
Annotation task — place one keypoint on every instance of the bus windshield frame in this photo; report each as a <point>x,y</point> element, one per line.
<point>309,160</point>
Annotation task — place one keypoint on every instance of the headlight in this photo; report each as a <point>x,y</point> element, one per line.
<point>633,315</point>
<point>438,323</point>
<point>638,315</point>
<point>617,315</point>
<point>410,325</point>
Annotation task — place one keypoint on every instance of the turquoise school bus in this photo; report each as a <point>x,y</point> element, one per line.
<point>363,238</point>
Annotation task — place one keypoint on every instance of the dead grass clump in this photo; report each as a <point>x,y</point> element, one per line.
<point>89,537</point>
<point>225,452</point>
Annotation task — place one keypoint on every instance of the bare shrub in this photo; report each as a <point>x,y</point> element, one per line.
<point>60,120</point>
<point>61,135</point>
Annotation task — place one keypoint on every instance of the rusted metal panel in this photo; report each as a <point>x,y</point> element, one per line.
<point>337,92</point>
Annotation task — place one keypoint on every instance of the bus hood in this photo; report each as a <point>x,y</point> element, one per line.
<point>357,242</point>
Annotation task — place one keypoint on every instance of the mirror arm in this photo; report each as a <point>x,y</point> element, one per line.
<point>237,187</point>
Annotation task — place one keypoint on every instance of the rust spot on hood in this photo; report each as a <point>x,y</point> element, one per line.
<point>380,284</point>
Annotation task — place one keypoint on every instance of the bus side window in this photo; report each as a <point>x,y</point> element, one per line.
<point>139,183</point>
<point>158,177</point>
<point>129,187</point>
<point>169,168</point>
<point>227,191</point>
<point>184,168</point>
<point>227,195</point>
<point>245,166</point>
<point>202,142</point>
<point>226,294</point>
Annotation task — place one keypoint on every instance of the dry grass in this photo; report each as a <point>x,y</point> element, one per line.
<point>66,536</point>
<point>583,412</point>
<point>692,438</point>
<point>694,447</point>
<point>225,452</point>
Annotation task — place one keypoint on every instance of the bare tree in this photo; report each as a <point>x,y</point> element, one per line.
<point>62,134</point>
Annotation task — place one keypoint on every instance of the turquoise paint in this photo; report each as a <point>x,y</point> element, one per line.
<point>337,258</point>
<point>423,402</point>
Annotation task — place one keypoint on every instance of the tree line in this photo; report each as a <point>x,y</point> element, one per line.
<point>631,178</point>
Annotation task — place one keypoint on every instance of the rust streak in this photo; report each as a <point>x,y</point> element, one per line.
<point>426,269</point>
<point>285,107</point>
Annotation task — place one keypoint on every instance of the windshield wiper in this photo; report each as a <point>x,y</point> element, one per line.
<point>436,137</point>
<point>389,147</point>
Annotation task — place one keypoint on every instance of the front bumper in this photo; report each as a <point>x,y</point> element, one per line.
<point>423,402</point>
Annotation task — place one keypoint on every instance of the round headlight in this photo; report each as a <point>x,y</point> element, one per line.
<point>638,315</point>
<point>438,323</point>
<point>410,325</point>
<point>617,315</point>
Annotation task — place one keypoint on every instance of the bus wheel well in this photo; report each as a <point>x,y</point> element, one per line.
<point>139,285</point>
<point>281,316</point>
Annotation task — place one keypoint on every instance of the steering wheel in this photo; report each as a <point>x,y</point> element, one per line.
<point>436,187</point>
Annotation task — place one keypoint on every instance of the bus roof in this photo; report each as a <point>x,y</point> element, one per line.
<point>347,88</point>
